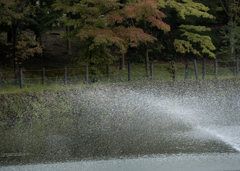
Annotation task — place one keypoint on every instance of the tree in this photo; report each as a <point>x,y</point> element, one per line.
<point>146,16</point>
<point>102,24</point>
<point>91,28</point>
<point>43,18</point>
<point>203,42</point>
<point>132,37</point>
<point>13,13</point>
<point>215,9</point>
<point>231,7</point>
<point>227,33</point>
<point>191,40</point>
<point>230,48</point>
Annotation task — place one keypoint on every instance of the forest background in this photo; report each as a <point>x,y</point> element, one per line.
<point>54,33</point>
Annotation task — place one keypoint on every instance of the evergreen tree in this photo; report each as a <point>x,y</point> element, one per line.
<point>43,18</point>
<point>230,36</point>
<point>231,7</point>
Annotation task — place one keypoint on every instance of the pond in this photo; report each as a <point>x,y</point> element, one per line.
<point>178,162</point>
<point>176,126</point>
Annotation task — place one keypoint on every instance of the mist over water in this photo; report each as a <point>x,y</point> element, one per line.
<point>166,122</point>
<point>210,110</point>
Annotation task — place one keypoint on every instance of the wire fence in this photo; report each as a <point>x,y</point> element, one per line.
<point>191,70</point>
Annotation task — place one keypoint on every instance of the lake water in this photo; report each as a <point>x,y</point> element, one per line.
<point>175,162</point>
<point>132,129</point>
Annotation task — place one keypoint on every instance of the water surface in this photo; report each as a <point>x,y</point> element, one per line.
<point>152,127</point>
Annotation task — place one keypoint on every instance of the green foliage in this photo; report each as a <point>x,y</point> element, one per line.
<point>106,23</point>
<point>96,57</point>
<point>204,42</point>
<point>26,46</point>
<point>43,18</point>
<point>186,8</point>
<point>13,14</point>
<point>90,26</point>
<point>230,40</point>
<point>136,58</point>
<point>107,28</point>
<point>155,49</point>
<point>172,67</point>
<point>194,28</point>
<point>234,6</point>
<point>33,106</point>
<point>11,10</point>
<point>8,11</point>
<point>192,41</point>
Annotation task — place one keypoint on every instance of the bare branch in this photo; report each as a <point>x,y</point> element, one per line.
<point>21,6</point>
<point>224,8</point>
<point>128,23</point>
<point>107,11</point>
<point>226,2</point>
<point>132,22</point>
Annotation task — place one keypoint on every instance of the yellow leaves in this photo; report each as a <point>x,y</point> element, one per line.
<point>205,43</point>
<point>219,9</point>
<point>189,8</point>
<point>182,46</point>
<point>161,3</point>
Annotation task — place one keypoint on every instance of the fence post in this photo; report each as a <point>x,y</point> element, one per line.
<point>186,70</point>
<point>21,79</point>
<point>174,75</point>
<point>203,69</point>
<point>129,71</point>
<point>215,68</point>
<point>65,76</point>
<point>86,74</point>
<point>151,70</point>
<point>107,69</point>
<point>237,69</point>
<point>43,76</point>
<point>195,68</point>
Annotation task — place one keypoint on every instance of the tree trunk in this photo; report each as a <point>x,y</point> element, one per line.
<point>15,26</point>
<point>122,62</point>
<point>230,11</point>
<point>40,40</point>
<point>9,36</point>
<point>69,47</point>
<point>40,36</point>
<point>69,44</point>
<point>232,49</point>
<point>146,60</point>
<point>232,39</point>
<point>232,44</point>
<point>41,43</point>
<point>15,59</point>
